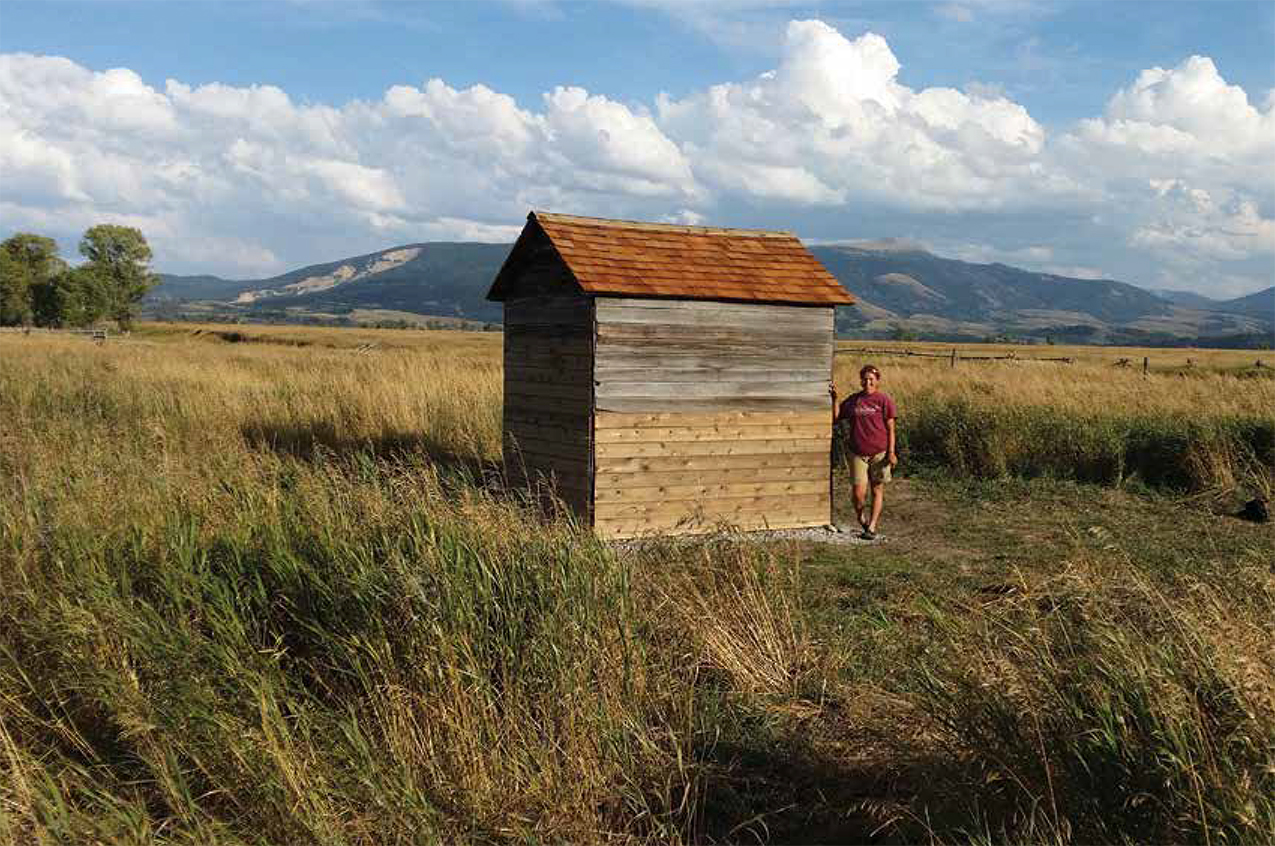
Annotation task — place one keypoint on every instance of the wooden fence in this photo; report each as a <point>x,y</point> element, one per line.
<point>953,357</point>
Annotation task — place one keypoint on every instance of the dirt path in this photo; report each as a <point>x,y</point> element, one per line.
<point>983,533</point>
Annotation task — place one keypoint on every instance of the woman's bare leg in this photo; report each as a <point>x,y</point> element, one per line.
<point>878,499</point>
<point>860,495</point>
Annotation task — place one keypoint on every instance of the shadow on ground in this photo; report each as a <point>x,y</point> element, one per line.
<point>804,796</point>
<point>319,441</point>
<point>835,779</point>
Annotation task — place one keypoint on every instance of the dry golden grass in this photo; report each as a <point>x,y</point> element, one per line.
<point>1093,383</point>
<point>181,406</point>
<point>459,342</point>
<point>250,594</point>
<point>110,418</point>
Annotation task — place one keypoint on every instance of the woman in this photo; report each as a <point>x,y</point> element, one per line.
<point>871,414</point>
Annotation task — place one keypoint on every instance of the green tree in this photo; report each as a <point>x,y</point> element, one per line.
<point>75,297</point>
<point>118,258</point>
<point>15,291</point>
<point>26,262</point>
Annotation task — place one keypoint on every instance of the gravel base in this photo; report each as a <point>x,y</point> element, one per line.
<point>843,536</point>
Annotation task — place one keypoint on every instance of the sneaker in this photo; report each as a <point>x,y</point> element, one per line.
<point>868,534</point>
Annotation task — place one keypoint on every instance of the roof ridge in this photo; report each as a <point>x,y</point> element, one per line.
<point>658,227</point>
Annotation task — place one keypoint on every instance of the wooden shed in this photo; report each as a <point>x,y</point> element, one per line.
<point>669,379</point>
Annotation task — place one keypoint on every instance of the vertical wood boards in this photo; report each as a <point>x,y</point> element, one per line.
<point>709,414</point>
<point>549,396</point>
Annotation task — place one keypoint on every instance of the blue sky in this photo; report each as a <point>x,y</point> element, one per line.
<point>1127,140</point>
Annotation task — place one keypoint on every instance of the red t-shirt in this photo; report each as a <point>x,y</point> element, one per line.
<point>867,414</point>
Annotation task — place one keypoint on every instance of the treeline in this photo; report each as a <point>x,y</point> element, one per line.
<point>37,287</point>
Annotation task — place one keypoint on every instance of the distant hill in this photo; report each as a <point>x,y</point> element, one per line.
<point>916,293</point>
<point>901,289</point>
<point>1260,304</point>
<point>442,279</point>
<point>1190,299</point>
<point>181,288</point>
<point>917,281</point>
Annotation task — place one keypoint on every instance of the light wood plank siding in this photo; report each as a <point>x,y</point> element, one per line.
<point>710,414</point>
<point>549,396</point>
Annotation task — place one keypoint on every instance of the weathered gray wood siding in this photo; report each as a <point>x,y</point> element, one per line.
<point>709,413</point>
<point>549,395</point>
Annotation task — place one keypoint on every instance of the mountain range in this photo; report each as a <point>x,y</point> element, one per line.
<point>902,291</point>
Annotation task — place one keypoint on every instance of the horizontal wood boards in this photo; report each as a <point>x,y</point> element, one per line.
<point>693,472</point>
<point>569,470</point>
<point>672,372</point>
<point>696,356</point>
<point>783,446</point>
<point>614,528</point>
<point>720,508</point>
<point>643,405</point>
<point>709,389</point>
<point>549,396</point>
<point>706,313</point>
<point>562,309</point>
<point>565,387</point>
<point>633,476</point>
<point>701,463</point>
<point>669,493</point>
<point>740,434</point>
<point>535,320</point>
<point>713,419</point>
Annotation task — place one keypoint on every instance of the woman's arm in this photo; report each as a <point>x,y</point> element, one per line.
<point>836,407</point>
<point>893,459</point>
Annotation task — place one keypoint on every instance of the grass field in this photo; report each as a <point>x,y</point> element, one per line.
<point>1207,425</point>
<point>263,585</point>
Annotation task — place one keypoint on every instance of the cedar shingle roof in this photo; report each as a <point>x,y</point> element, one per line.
<point>691,262</point>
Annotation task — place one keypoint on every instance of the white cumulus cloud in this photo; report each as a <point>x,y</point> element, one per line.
<point>833,125</point>
<point>1185,164</point>
<point>268,179</point>
<point>1171,182</point>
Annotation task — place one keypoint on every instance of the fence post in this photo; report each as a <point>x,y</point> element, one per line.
<point>1146,364</point>
<point>953,356</point>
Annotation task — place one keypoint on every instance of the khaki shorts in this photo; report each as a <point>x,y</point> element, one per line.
<point>873,468</point>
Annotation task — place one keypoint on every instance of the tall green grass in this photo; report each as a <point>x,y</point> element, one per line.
<point>1100,707</point>
<point>1108,446</point>
<point>361,648</point>
<point>337,675</point>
